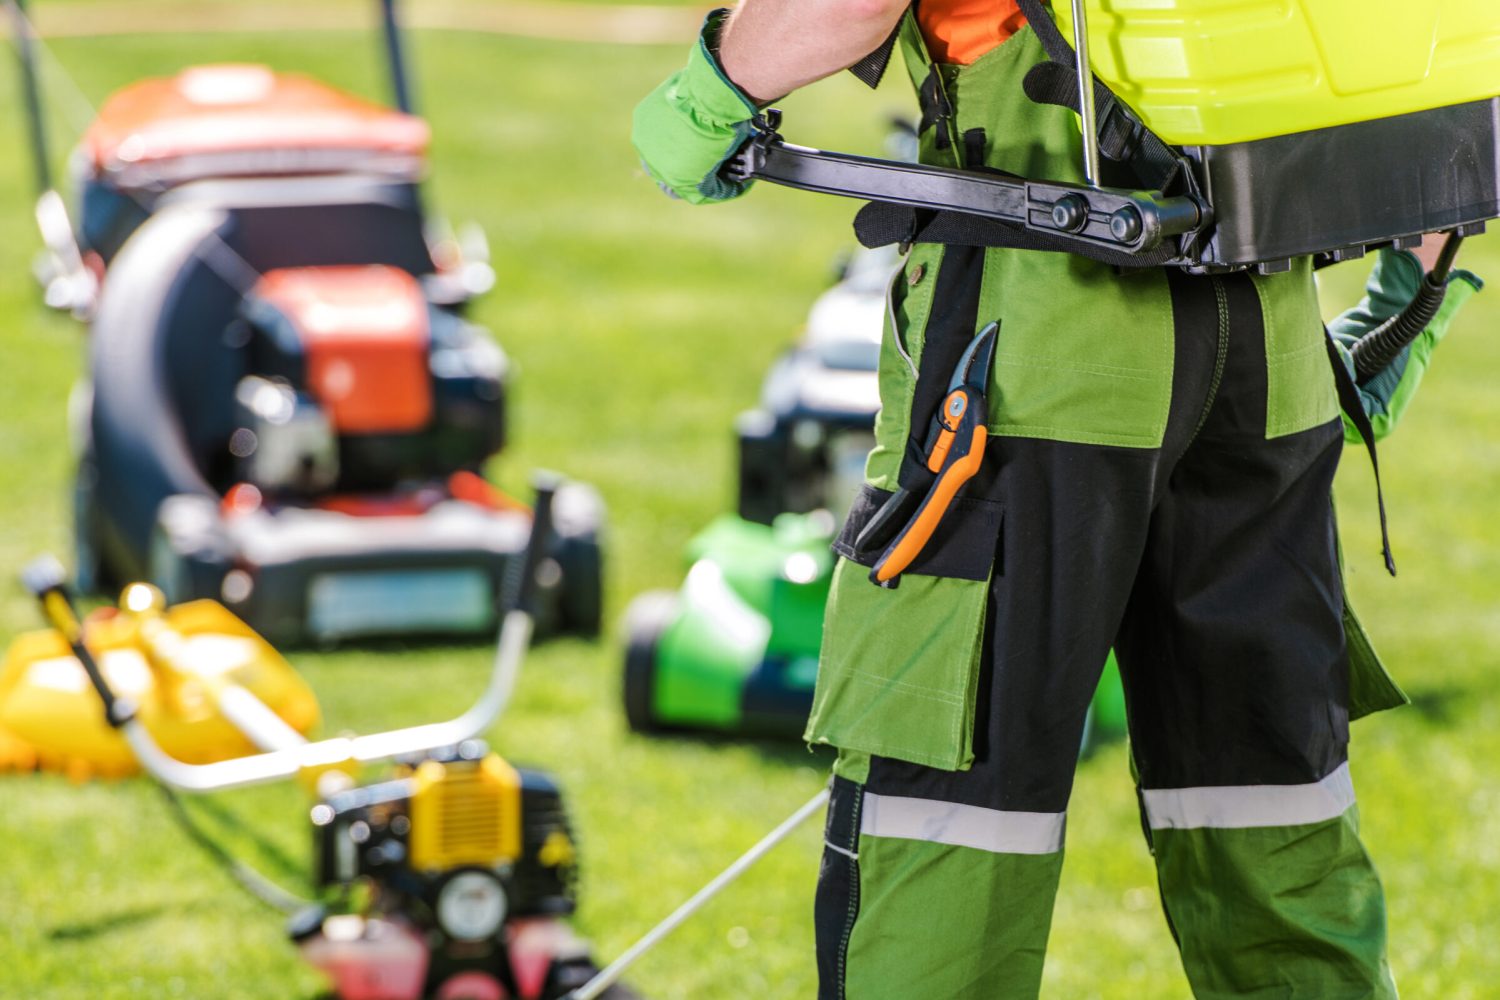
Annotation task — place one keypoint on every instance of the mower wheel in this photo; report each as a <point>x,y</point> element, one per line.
<point>646,621</point>
<point>189,554</point>
<point>578,514</point>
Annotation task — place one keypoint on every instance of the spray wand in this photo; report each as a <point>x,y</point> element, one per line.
<point>1378,348</point>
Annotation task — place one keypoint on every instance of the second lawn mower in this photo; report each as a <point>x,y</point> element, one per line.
<point>286,409</point>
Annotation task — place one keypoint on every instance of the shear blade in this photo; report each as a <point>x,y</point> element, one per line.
<point>978,356</point>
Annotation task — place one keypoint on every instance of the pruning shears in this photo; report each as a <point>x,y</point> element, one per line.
<point>952,452</point>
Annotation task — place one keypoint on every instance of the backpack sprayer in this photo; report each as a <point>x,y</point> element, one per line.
<point>1342,140</point>
<point>465,864</point>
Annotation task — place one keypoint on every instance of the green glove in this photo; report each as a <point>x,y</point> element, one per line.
<point>685,129</point>
<point>1393,283</point>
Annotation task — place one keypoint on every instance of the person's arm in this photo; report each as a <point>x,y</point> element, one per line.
<point>701,115</point>
<point>1427,251</point>
<point>770,48</point>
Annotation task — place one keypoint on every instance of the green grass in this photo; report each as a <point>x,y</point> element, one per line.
<point>641,327</point>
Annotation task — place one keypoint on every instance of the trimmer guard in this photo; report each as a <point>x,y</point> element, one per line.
<point>50,718</point>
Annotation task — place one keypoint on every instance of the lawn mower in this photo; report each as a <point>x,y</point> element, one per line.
<point>449,878</point>
<point>735,650</point>
<point>804,447</point>
<point>286,409</point>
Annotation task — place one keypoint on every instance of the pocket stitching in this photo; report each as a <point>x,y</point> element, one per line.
<point>886,683</point>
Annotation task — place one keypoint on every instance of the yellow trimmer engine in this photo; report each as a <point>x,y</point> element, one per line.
<point>466,864</point>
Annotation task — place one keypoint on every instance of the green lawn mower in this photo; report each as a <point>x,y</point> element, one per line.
<point>735,649</point>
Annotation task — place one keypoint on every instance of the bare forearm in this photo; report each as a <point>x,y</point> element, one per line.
<point>1427,252</point>
<point>769,48</point>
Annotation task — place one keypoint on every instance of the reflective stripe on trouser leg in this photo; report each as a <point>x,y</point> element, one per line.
<point>1241,806</point>
<point>949,900</point>
<point>1270,890</point>
<point>995,830</point>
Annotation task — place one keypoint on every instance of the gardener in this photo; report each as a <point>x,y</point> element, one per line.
<point>1161,451</point>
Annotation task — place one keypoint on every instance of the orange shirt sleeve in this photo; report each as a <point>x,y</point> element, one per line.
<point>960,31</point>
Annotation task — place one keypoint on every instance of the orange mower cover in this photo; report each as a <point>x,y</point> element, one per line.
<point>233,108</point>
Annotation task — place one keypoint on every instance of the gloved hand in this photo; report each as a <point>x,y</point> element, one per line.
<point>1393,283</point>
<point>685,129</point>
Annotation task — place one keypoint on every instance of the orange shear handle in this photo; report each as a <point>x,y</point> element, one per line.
<point>915,536</point>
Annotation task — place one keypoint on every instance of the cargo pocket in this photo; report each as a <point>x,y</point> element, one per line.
<point>899,669</point>
<point>1371,687</point>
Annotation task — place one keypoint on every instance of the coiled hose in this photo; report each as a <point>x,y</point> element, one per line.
<point>1378,348</point>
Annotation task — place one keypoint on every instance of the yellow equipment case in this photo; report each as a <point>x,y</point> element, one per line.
<point>1315,124</point>
<point>1216,73</point>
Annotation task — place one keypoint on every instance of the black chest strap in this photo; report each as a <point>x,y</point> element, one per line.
<point>872,67</point>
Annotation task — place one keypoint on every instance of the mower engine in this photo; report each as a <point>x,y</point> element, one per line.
<point>460,871</point>
<point>358,382</point>
<point>804,448</point>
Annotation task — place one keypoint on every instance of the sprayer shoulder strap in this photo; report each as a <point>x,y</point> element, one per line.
<point>1123,137</point>
<point>1354,408</point>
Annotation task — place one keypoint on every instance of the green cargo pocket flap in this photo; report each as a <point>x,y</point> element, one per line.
<point>1371,688</point>
<point>899,669</point>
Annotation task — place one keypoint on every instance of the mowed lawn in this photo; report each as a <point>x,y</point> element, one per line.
<point>641,327</point>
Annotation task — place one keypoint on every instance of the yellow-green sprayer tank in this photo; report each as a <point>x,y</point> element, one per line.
<point>1213,72</point>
